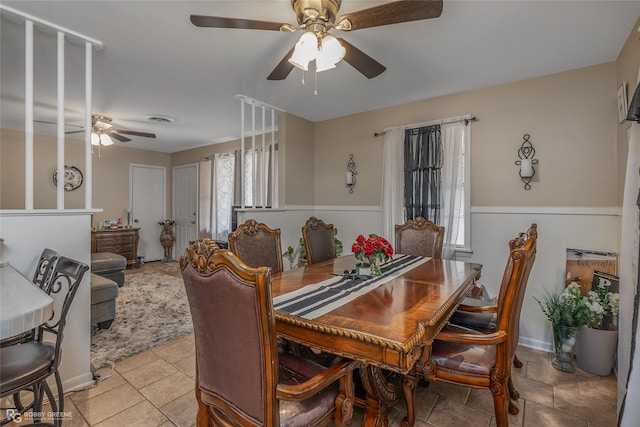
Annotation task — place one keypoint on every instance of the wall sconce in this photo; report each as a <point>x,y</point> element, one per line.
<point>526,162</point>
<point>351,174</point>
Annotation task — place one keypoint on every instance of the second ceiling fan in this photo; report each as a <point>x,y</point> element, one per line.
<point>101,127</point>
<point>316,18</point>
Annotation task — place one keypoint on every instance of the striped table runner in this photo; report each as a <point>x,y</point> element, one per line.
<point>314,300</point>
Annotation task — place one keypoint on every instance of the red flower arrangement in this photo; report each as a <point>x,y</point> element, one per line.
<point>374,248</point>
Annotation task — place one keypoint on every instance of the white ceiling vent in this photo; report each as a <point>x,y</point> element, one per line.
<point>160,119</point>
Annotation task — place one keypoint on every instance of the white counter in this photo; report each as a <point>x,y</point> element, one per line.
<point>23,305</point>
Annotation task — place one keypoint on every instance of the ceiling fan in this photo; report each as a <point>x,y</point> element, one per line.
<point>316,18</point>
<point>102,131</point>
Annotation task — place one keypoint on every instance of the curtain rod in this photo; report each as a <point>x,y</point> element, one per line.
<point>444,122</point>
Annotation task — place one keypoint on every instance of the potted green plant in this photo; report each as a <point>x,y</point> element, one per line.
<point>596,341</point>
<point>566,311</point>
<point>298,256</point>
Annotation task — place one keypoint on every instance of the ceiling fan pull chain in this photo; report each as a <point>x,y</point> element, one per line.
<point>302,77</point>
<point>315,89</point>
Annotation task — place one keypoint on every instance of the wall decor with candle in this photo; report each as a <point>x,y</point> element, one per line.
<point>526,161</point>
<point>350,179</point>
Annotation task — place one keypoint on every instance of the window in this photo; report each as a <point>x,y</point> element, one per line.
<point>436,177</point>
<point>255,188</point>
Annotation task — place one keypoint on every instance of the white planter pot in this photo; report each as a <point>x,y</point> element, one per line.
<point>595,350</point>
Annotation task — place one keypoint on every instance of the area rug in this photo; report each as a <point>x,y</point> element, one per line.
<point>151,309</point>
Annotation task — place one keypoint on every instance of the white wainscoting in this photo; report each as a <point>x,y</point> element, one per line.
<point>26,234</point>
<point>559,228</point>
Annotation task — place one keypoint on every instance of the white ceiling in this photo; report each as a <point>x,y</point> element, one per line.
<point>155,61</point>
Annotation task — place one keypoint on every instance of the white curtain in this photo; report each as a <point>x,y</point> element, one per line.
<point>630,412</point>
<point>205,196</point>
<point>223,183</point>
<point>452,192</point>
<point>392,182</point>
<point>258,194</point>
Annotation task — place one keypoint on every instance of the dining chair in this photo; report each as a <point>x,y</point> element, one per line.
<point>257,245</point>
<point>480,310</point>
<point>419,237</point>
<point>27,366</point>
<point>483,359</point>
<point>241,377</point>
<point>319,242</point>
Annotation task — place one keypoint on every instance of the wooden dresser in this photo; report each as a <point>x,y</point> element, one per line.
<point>123,241</point>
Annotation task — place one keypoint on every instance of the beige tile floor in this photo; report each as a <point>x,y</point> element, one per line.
<point>155,388</point>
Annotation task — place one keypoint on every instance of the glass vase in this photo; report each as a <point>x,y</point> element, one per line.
<point>564,339</point>
<point>375,267</point>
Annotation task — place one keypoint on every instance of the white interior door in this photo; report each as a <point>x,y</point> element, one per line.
<point>148,205</point>
<point>185,206</point>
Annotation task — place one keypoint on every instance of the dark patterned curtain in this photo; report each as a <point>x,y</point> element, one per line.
<point>422,172</point>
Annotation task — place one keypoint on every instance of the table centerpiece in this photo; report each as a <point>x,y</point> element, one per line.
<point>375,249</point>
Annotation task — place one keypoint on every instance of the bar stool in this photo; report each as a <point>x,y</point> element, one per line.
<point>26,366</point>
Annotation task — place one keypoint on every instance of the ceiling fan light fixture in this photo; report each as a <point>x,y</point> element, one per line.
<point>324,62</point>
<point>95,138</point>
<point>106,140</point>
<point>101,122</point>
<point>330,54</point>
<point>305,51</point>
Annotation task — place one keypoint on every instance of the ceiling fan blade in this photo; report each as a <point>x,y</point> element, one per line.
<point>65,125</point>
<point>283,68</point>
<point>134,133</point>
<point>115,135</point>
<point>221,22</point>
<point>394,12</point>
<point>362,62</point>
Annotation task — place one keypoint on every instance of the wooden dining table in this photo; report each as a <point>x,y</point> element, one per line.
<point>387,328</point>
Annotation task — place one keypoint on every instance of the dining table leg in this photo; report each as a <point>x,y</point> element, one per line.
<point>409,384</point>
<point>383,389</point>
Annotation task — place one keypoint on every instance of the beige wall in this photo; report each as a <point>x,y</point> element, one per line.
<point>295,148</point>
<point>298,169</point>
<point>570,116</point>
<point>628,69</point>
<point>110,174</point>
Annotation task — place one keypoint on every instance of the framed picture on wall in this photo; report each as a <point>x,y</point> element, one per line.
<point>622,102</point>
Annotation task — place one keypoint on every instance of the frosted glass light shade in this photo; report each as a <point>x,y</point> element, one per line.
<point>330,54</point>
<point>305,51</point>
<point>95,139</point>
<point>106,140</point>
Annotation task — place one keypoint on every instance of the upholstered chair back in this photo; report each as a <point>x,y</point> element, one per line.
<point>514,284</point>
<point>419,237</point>
<point>237,360</point>
<point>319,243</point>
<point>257,245</point>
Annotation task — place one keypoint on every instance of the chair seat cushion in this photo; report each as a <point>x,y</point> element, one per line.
<point>297,370</point>
<point>479,321</point>
<point>24,363</point>
<point>463,358</point>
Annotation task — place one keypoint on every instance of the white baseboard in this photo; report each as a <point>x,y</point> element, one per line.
<point>535,344</point>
